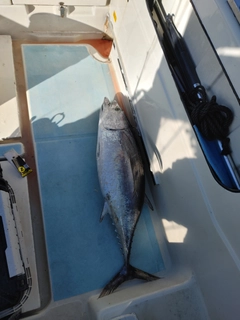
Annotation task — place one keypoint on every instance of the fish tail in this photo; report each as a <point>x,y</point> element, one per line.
<point>140,274</point>
<point>127,272</point>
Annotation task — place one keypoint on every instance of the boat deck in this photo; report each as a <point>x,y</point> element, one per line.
<point>65,87</point>
<point>52,85</point>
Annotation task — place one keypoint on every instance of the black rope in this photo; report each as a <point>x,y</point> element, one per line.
<point>213,120</point>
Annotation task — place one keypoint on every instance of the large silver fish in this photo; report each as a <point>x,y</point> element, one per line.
<point>121,177</point>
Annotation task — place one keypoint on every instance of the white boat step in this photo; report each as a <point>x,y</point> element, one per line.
<point>126,317</point>
<point>9,120</point>
<point>175,296</point>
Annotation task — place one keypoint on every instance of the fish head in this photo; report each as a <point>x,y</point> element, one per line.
<point>112,117</point>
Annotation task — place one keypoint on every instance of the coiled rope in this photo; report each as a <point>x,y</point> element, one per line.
<point>213,120</point>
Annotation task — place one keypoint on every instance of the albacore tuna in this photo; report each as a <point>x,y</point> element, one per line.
<point>121,177</point>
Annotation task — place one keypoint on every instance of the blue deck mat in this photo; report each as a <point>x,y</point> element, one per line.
<point>66,87</point>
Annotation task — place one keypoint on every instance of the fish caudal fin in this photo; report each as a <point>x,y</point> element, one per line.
<point>127,272</point>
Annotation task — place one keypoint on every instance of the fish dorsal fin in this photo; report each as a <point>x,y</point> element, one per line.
<point>105,211</point>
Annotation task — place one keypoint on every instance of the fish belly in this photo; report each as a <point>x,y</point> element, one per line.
<point>121,179</point>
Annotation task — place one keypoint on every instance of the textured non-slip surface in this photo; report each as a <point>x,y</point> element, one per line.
<point>66,88</point>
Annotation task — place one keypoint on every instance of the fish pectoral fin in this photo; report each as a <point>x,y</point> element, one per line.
<point>98,150</point>
<point>148,202</point>
<point>105,211</point>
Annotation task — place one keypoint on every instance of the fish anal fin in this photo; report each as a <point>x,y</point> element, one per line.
<point>105,211</point>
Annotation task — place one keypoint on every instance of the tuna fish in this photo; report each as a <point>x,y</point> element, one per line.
<point>122,182</point>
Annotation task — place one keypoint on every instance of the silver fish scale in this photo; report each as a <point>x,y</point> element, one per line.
<point>121,177</point>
